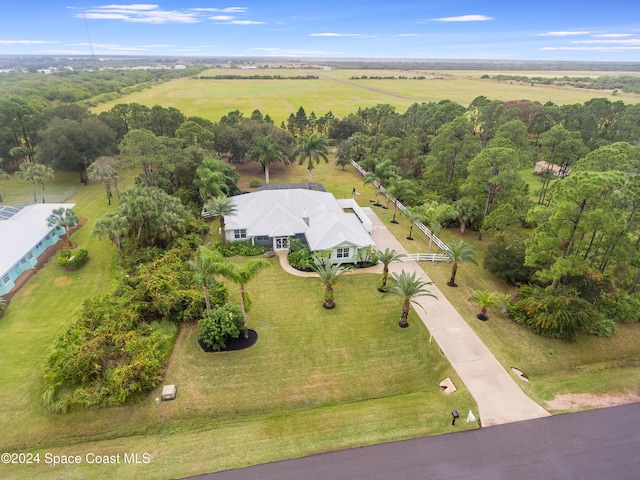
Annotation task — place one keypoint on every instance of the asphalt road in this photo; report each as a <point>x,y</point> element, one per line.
<point>601,444</point>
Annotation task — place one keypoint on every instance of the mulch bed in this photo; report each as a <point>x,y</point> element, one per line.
<point>42,261</point>
<point>233,344</point>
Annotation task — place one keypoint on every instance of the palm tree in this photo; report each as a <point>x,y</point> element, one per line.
<point>459,252</point>
<point>241,276</point>
<point>204,266</point>
<point>400,189</point>
<point>467,211</point>
<point>484,299</point>
<point>3,176</point>
<point>114,226</point>
<point>267,152</point>
<point>64,218</point>
<point>329,275</point>
<point>407,287</point>
<point>387,257</point>
<point>311,148</point>
<point>221,206</point>
<point>35,173</point>
<point>380,176</point>
<point>210,180</point>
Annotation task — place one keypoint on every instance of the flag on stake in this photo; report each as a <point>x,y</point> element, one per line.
<point>471,417</point>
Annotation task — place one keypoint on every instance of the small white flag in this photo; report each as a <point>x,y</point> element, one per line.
<point>471,417</point>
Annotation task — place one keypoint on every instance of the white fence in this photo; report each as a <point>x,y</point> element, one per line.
<point>425,257</point>
<point>429,257</point>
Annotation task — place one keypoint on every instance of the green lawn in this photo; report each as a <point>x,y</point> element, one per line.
<point>335,92</point>
<point>316,380</point>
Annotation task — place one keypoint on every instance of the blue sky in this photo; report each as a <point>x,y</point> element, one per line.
<point>501,30</point>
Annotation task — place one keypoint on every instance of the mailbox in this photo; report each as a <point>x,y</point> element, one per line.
<point>455,415</point>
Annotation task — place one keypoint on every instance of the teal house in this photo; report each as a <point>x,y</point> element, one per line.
<point>24,236</point>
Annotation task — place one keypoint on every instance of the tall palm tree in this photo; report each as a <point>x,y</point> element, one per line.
<point>64,218</point>
<point>400,189</point>
<point>267,152</point>
<point>386,257</point>
<point>382,173</point>
<point>35,173</point>
<point>241,276</point>
<point>210,180</point>
<point>221,206</point>
<point>459,252</point>
<point>408,288</point>
<point>329,275</point>
<point>484,299</point>
<point>205,265</point>
<point>311,148</point>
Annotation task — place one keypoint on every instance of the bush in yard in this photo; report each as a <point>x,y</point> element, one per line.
<point>73,259</point>
<point>219,324</point>
<point>255,183</point>
<point>243,248</point>
<point>107,355</point>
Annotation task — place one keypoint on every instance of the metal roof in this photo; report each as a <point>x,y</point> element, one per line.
<point>22,231</point>
<point>289,212</point>
<point>318,187</point>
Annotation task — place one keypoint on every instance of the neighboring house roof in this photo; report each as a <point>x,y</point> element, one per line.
<point>20,232</point>
<point>285,213</point>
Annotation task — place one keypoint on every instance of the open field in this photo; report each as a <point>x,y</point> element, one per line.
<point>316,381</point>
<point>335,92</point>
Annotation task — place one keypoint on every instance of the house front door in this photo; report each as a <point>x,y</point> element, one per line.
<point>282,243</point>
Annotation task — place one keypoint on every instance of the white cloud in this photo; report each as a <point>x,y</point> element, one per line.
<point>25,42</point>
<point>592,49</point>
<point>222,18</point>
<point>464,18</point>
<point>613,35</point>
<point>245,22</point>
<point>331,34</point>
<point>281,52</point>
<point>626,41</point>
<point>223,10</point>
<point>409,35</point>
<point>138,13</point>
<point>560,34</point>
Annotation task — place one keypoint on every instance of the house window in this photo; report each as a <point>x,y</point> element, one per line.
<point>262,238</point>
<point>241,233</point>
<point>30,256</point>
<point>23,260</point>
<point>343,252</point>
<point>5,279</point>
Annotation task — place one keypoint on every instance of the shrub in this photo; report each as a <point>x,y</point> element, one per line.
<point>255,183</point>
<point>603,327</point>
<point>243,247</point>
<point>219,324</point>
<point>621,307</point>
<point>73,259</point>
<point>553,312</point>
<point>106,356</point>
<point>301,259</point>
<point>505,259</point>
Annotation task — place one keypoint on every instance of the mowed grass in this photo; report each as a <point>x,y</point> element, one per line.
<point>590,364</point>
<point>335,91</point>
<point>316,381</point>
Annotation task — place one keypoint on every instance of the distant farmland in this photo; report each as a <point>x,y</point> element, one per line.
<point>338,92</point>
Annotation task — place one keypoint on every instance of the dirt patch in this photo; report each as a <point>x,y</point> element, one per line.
<point>582,401</point>
<point>63,281</point>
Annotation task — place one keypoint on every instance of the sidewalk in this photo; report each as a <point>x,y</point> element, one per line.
<point>500,400</point>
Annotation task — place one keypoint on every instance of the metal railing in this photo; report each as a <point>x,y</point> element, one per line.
<point>439,243</point>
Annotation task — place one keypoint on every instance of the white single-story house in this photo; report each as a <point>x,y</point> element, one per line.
<point>547,167</point>
<point>24,235</point>
<point>272,217</point>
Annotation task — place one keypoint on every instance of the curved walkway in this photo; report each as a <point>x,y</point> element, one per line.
<point>500,400</point>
